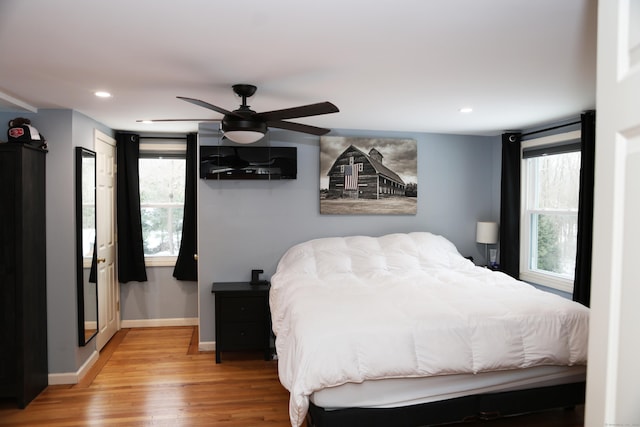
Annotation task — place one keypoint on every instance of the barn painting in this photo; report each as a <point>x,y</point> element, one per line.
<point>368,175</point>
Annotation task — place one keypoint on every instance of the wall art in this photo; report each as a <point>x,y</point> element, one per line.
<point>368,176</point>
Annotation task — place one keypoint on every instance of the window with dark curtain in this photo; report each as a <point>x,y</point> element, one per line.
<point>131,265</point>
<point>186,267</point>
<point>510,207</point>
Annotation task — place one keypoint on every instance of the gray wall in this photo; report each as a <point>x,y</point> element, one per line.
<point>161,297</point>
<point>249,224</point>
<point>63,130</point>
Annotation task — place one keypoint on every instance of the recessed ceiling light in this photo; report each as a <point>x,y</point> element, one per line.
<point>466,110</point>
<point>102,94</point>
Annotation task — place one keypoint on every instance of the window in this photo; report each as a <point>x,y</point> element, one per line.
<point>162,183</point>
<point>549,226</point>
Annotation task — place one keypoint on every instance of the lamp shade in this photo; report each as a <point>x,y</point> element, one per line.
<point>244,136</point>
<point>242,130</point>
<point>487,232</point>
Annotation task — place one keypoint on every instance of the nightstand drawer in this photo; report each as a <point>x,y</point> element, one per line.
<point>241,336</point>
<point>242,309</point>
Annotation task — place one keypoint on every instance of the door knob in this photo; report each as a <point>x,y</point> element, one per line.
<point>101,260</point>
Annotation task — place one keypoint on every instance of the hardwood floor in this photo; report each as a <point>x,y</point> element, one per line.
<point>157,377</point>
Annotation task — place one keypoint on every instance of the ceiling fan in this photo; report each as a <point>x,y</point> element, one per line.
<point>245,126</point>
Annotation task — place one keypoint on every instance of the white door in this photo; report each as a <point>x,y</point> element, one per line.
<point>613,376</point>
<point>108,288</point>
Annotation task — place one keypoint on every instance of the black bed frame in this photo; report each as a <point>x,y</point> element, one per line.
<point>481,406</point>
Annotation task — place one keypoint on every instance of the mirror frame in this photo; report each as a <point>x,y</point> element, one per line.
<point>83,338</point>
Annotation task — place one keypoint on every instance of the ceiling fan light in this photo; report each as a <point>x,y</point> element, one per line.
<point>244,136</point>
<point>242,130</point>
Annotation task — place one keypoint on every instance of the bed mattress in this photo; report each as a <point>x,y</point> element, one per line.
<point>361,309</point>
<point>398,392</point>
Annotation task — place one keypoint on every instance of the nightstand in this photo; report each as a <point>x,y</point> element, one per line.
<point>243,320</point>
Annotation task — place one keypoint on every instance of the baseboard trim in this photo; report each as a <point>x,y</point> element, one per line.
<point>154,323</point>
<point>74,377</point>
<point>207,346</point>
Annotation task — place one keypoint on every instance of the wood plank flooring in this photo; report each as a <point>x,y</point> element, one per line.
<point>156,377</point>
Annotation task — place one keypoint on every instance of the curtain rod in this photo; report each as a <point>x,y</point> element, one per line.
<point>551,128</point>
<point>163,137</point>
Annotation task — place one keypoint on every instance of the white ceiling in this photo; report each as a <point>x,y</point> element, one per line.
<point>389,65</point>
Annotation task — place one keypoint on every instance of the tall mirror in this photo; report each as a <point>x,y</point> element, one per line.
<point>86,256</point>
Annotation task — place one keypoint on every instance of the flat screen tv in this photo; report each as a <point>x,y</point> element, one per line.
<point>248,162</point>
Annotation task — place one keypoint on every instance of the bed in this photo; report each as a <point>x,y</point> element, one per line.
<point>403,328</point>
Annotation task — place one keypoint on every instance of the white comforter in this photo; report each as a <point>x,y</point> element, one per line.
<point>408,305</point>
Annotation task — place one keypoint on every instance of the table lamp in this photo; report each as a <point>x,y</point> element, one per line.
<point>487,234</point>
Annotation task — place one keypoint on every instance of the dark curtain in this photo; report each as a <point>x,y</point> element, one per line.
<point>510,205</point>
<point>93,271</point>
<point>130,247</point>
<point>582,281</point>
<point>186,266</point>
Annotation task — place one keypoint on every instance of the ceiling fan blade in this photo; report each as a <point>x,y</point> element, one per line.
<point>205,105</point>
<point>297,127</point>
<point>296,112</point>
<point>177,120</point>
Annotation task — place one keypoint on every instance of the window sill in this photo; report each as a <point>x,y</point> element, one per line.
<point>548,280</point>
<point>160,261</point>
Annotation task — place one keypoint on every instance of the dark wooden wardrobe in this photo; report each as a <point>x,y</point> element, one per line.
<point>23,291</point>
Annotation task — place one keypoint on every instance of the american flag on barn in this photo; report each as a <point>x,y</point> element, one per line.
<point>351,176</point>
